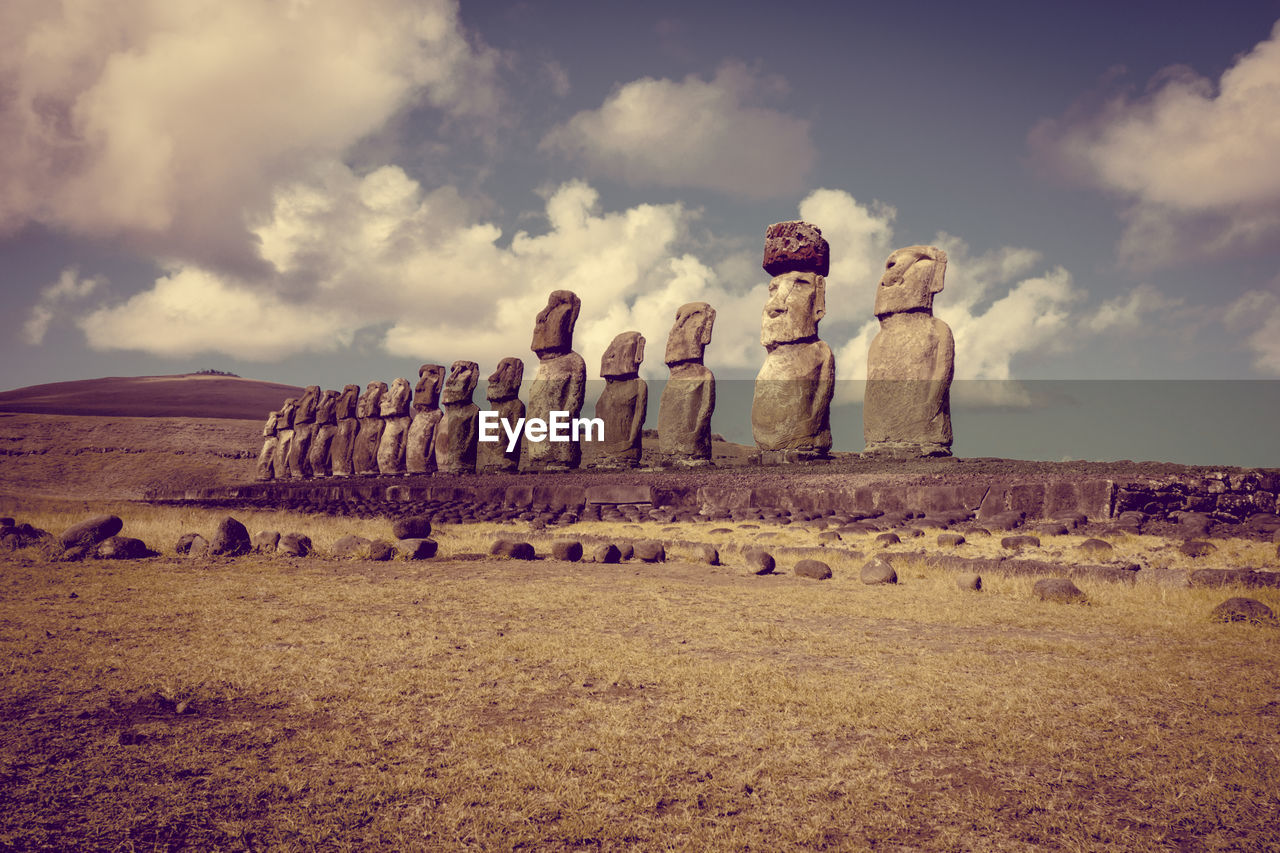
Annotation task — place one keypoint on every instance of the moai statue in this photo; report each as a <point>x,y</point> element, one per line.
<point>560,384</point>
<point>420,446</point>
<point>344,440</point>
<point>395,416</point>
<point>503,395</point>
<point>791,410</point>
<point>326,429</point>
<point>458,433</point>
<point>284,432</point>
<point>907,408</point>
<point>364,456</point>
<point>270,444</point>
<point>684,414</point>
<point>624,402</point>
<point>304,430</point>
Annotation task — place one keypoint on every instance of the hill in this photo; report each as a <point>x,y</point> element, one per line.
<point>192,395</point>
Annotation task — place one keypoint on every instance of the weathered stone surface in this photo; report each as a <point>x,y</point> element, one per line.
<point>412,527</point>
<point>1240,609</point>
<point>560,383</point>
<point>649,551</point>
<point>514,549</point>
<point>184,543</point>
<point>326,429</point>
<point>815,569</point>
<point>417,549</point>
<point>394,409</point>
<point>950,540</point>
<point>352,546</point>
<point>1095,546</point>
<point>689,397</point>
<point>381,550</point>
<point>1059,590</point>
<point>1017,543</point>
<point>91,531</point>
<point>707,554</point>
<point>884,540</point>
<point>969,581</point>
<point>759,561</point>
<point>1197,548</point>
<point>198,548</point>
<point>458,433</point>
<point>304,429</point>
<point>607,553</point>
<point>1228,577</point>
<point>364,455</point>
<point>878,570</point>
<point>344,437</point>
<point>420,442</point>
<point>623,403</point>
<point>795,246</point>
<point>284,439</point>
<point>264,541</point>
<point>231,539</point>
<point>503,395</point>
<point>567,550</point>
<point>907,405</point>
<point>270,445</point>
<point>294,545</point>
<point>122,548</point>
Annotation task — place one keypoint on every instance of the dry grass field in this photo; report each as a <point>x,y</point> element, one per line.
<point>474,703</point>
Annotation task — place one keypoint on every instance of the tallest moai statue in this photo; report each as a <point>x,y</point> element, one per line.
<point>907,408</point>
<point>791,410</point>
<point>561,381</point>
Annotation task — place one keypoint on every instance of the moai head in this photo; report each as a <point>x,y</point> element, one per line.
<point>347,401</point>
<point>553,331</point>
<point>285,419</point>
<point>622,359</point>
<point>798,259</point>
<point>370,403</point>
<point>426,396</point>
<point>911,277</point>
<point>461,383</point>
<point>270,427</point>
<point>307,405</point>
<point>691,333</point>
<point>395,403</point>
<point>326,409</point>
<point>504,382</point>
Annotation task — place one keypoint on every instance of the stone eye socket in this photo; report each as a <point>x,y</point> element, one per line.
<point>889,265</point>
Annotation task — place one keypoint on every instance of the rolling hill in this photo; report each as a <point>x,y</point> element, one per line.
<point>192,395</point>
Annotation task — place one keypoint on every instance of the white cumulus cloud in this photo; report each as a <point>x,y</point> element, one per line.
<point>1256,315</point>
<point>69,287</point>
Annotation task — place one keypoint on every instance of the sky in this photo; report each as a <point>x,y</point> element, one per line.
<point>321,192</point>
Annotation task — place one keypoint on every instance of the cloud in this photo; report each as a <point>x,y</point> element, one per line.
<point>1256,314</point>
<point>1130,311</point>
<point>168,122</point>
<point>68,288</point>
<point>1196,160</point>
<point>692,133</point>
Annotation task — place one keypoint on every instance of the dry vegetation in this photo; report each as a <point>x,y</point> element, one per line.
<point>475,703</point>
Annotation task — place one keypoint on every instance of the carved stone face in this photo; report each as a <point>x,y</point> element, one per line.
<point>347,401</point>
<point>370,403</point>
<point>504,383</point>
<point>461,384</point>
<point>691,333</point>
<point>623,357</point>
<point>395,403</point>
<point>797,301</point>
<point>553,331</point>
<point>911,277</point>
<point>285,420</point>
<point>326,408</point>
<point>426,396</point>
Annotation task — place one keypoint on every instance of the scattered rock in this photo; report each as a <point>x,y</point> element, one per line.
<point>91,531</point>
<point>567,549</point>
<point>707,554</point>
<point>950,540</point>
<point>266,541</point>
<point>514,549</point>
<point>76,553</point>
<point>1095,546</point>
<point>231,539</point>
<point>1197,548</point>
<point>1017,543</point>
<point>1195,523</point>
<point>294,545</point>
<point>718,530</point>
<point>413,527</point>
<point>1052,528</point>
<point>381,551</point>
<point>650,551</point>
<point>607,553</point>
<point>815,569</point>
<point>417,549</point>
<point>1241,609</point>
<point>878,570</point>
<point>969,581</point>
<point>352,546</point>
<point>625,551</point>
<point>183,548</point>
<point>760,561</point>
<point>1058,590</point>
<point>198,547</point>
<point>122,548</point>
<point>1227,577</point>
<point>830,536</point>
<point>887,539</point>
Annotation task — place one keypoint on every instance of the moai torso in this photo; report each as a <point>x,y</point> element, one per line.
<point>304,427</point>
<point>270,443</point>
<point>906,410</point>
<point>689,398</point>
<point>623,403</point>
<point>503,395</point>
<point>420,445</point>
<point>364,458</point>
<point>560,384</point>
<point>284,435</point>
<point>326,428</point>
<point>344,438</point>
<point>791,409</point>
<point>458,433</point>
<point>395,431</point>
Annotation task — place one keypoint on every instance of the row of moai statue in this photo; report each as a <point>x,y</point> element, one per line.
<point>396,430</point>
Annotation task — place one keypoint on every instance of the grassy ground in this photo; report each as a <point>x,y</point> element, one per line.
<point>489,704</point>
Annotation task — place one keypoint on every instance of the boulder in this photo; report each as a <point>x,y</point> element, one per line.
<point>381,550</point>
<point>295,545</point>
<point>197,548</point>
<point>650,551</point>
<point>122,548</point>
<point>231,539</point>
<point>413,527</point>
<point>417,549</point>
<point>1017,543</point>
<point>91,531</point>
<point>1242,609</point>
<point>815,569</point>
<point>266,541</point>
<point>969,581</point>
<point>878,570</point>
<point>352,546</point>
<point>760,561</point>
<point>607,553</point>
<point>183,548</point>
<point>950,540</point>
<point>1197,548</point>
<point>1095,546</point>
<point>707,554</point>
<point>887,539</point>
<point>567,549</point>
<point>514,549</point>
<point>1059,590</point>
<point>626,551</point>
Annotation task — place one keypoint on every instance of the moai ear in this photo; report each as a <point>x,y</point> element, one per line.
<point>708,321</point>
<point>938,280</point>
<point>639,349</point>
<point>819,297</point>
